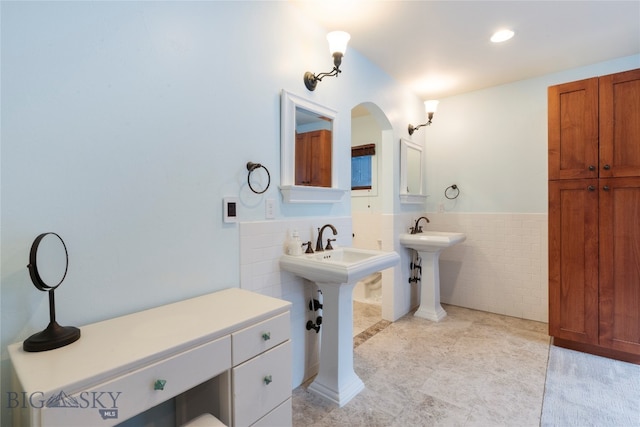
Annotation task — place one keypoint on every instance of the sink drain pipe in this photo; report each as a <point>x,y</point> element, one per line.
<point>315,305</point>
<point>415,267</point>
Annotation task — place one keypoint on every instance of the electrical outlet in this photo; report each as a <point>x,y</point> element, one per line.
<point>270,208</point>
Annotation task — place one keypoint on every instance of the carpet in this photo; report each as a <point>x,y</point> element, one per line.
<point>586,390</point>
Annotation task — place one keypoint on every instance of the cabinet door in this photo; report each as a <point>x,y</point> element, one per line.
<point>313,158</point>
<point>573,130</point>
<point>573,260</point>
<point>320,158</point>
<point>620,264</point>
<point>620,124</point>
<point>303,158</point>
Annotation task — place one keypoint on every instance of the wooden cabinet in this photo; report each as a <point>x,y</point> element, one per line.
<point>620,264</point>
<point>620,124</point>
<point>573,130</point>
<point>594,215</point>
<point>313,158</point>
<point>573,260</point>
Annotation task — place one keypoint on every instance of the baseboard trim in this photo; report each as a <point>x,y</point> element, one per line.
<point>596,350</point>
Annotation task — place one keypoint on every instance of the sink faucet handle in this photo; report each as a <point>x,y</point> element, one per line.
<point>329,247</point>
<point>308,245</point>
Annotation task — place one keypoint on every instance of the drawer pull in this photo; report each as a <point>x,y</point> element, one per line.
<point>266,336</point>
<point>267,379</point>
<point>159,384</point>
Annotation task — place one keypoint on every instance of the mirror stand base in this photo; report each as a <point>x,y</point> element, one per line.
<point>54,336</point>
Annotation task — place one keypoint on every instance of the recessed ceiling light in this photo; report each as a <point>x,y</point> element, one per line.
<point>501,36</point>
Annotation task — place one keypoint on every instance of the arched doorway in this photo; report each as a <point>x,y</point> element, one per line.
<point>372,207</point>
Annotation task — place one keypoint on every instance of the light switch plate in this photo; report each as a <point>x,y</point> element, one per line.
<point>230,209</point>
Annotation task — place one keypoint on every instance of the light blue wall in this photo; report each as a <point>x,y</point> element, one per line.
<point>124,124</point>
<point>492,143</point>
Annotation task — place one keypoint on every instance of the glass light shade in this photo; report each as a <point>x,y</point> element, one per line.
<point>501,36</point>
<point>338,41</point>
<point>431,105</point>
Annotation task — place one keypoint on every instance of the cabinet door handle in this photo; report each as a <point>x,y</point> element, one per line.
<point>607,167</point>
<point>159,384</point>
<point>266,336</point>
<point>591,188</point>
<point>605,188</point>
<point>592,167</point>
<point>267,379</point>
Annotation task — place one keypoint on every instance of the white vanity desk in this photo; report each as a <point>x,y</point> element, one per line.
<point>237,339</point>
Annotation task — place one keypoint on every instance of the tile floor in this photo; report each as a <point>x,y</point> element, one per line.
<point>471,369</point>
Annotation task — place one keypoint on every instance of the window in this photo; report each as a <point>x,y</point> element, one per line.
<point>361,160</point>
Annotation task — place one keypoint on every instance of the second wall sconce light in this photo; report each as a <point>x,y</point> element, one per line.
<point>431,107</point>
<point>337,46</point>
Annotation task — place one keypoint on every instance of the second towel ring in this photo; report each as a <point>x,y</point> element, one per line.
<point>454,188</point>
<point>253,166</point>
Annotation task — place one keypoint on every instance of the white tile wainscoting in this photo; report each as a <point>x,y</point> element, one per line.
<point>501,268</point>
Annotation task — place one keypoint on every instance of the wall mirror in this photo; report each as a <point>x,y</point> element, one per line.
<point>411,172</point>
<point>307,146</point>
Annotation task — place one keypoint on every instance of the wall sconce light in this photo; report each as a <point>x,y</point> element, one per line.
<point>431,107</point>
<point>337,46</point>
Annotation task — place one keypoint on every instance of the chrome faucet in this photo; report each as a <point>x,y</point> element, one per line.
<point>418,229</point>
<point>319,241</point>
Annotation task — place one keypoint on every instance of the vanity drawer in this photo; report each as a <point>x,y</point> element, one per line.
<point>260,337</point>
<point>115,401</point>
<point>261,384</point>
<point>282,416</point>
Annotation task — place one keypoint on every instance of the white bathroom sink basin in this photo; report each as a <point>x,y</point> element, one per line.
<point>431,241</point>
<point>341,265</point>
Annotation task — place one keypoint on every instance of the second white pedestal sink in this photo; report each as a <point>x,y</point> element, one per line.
<point>336,273</point>
<point>429,244</point>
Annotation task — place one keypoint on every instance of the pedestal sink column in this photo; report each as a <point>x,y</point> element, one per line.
<point>430,307</point>
<point>336,379</point>
<point>429,245</point>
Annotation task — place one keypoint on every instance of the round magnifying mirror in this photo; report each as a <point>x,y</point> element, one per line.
<point>48,264</point>
<point>48,261</point>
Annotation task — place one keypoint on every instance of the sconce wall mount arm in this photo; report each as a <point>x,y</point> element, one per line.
<point>413,128</point>
<point>430,106</point>
<point>311,80</point>
<point>337,45</point>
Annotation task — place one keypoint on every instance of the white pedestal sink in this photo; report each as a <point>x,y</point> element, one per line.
<point>429,244</point>
<point>336,273</point>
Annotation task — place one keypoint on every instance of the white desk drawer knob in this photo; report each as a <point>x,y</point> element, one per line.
<point>266,336</point>
<point>268,379</point>
<point>159,384</point>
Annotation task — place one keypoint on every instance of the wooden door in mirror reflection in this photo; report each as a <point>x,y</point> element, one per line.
<point>313,158</point>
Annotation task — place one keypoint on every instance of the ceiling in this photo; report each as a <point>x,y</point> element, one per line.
<point>442,48</point>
